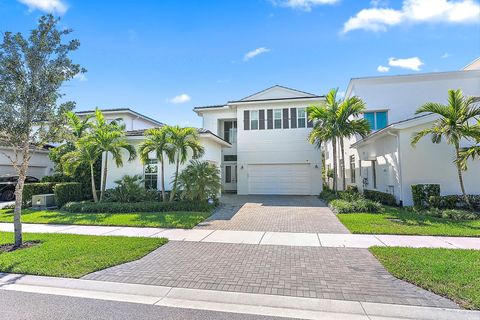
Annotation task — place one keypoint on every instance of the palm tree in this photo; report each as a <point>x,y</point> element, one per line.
<point>350,125</point>
<point>334,120</point>
<point>181,141</point>
<point>78,126</point>
<point>200,180</point>
<point>157,140</point>
<point>325,126</point>
<point>85,152</point>
<point>110,139</point>
<point>453,124</point>
<point>473,151</point>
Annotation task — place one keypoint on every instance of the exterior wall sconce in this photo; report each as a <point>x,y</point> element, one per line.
<point>316,166</point>
<point>241,167</point>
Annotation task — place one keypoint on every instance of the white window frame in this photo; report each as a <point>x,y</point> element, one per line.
<point>274,118</point>
<point>256,118</point>
<point>304,117</point>
<point>151,163</point>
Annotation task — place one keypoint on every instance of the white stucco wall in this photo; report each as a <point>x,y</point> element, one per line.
<point>275,146</point>
<point>212,154</point>
<point>40,165</point>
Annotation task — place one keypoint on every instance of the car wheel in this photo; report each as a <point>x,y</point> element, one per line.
<point>8,195</point>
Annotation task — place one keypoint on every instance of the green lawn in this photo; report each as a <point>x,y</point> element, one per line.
<point>178,219</point>
<point>65,255</point>
<point>401,221</point>
<point>448,272</point>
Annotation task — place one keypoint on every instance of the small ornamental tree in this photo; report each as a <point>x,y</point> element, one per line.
<point>32,71</point>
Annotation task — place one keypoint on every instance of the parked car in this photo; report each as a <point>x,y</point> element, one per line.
<point>8,184</point>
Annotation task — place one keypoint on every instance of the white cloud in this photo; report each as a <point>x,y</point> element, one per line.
<point>413,63</point>
<point>251,54</point>
<point>415,11</point>
<point>305,5</point>
<point>446,55</point>
<point>182,98</point>
<point>80,77</point>
<point>50,6</point>
<point>383,69</point>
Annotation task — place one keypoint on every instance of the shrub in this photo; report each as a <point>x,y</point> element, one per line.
<point>200,181</point>
<point>67,192</point>
<point>349,196</point>
<point>128,189</point>
<point>452,214</point>
<point>457,201</point>
<point>357,206</point>
<point>31,189</point>
<point>352,188</point>
<point>147,206</point>
<point>328,195</point>
<point>422,193</point>
<point>382,197</point>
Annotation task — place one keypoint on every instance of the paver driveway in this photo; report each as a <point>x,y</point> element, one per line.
<point>274,213</point>
<point>330,273</point>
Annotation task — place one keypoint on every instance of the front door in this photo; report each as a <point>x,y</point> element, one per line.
<point>230,177</point>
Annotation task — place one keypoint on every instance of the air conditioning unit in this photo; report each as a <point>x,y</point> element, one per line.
<point>43,201</point>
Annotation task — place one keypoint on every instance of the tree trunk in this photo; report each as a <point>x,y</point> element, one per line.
<point>342,165</point>
<point>92,177</point>
<point>162,173</point>
<point>17,212</point>
<point>460,177</point>
<point>172,195</point>
<point>104,179</point>
<point>334,145</point>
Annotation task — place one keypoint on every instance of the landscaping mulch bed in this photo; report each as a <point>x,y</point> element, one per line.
<point>8,247</point>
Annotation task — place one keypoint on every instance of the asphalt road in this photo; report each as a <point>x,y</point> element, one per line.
<point>32,306</point>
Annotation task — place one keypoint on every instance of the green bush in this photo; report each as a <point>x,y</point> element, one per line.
<point>382,197</point>
<point>146,206</point>
<point>66,192</point>
<point>351,188</point>
<point>349,196</point>
<point>31,189</point>
<point>357,206</point>
<point>328,195</point>
<point>457,201</point>
<point>421,194</point>
<point>127,189</point>
<point>200,181</point>
<point>452,214</point>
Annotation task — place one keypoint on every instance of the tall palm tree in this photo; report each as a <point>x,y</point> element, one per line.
<point>336,120</point>
<point>453,124</point>
<point>350,125</point>
<point>110,139</point>
<point>181,141</point>
<point>78,126</point>
<point>85,152</point>
<point>157,140</point>
<point>325,126</point>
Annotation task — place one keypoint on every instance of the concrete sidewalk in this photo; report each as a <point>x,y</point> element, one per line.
<point>261,304</point>
<point>260,237</point>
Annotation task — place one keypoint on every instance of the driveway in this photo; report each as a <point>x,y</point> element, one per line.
<point>274,213</point>
<point>315,272</point>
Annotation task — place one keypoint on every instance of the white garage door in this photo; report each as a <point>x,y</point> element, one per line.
<point>291,179</point>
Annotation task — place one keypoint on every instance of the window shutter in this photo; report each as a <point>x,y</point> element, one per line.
<point>269,119</point>
<point>261,119</point>
<point>293,117</point>
<point>309,122</point>
<point>246,120</point>
<point>285,118</point>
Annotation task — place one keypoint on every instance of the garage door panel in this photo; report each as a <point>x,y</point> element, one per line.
<point>279,179</point>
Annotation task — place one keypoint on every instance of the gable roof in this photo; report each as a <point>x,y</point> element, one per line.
<point>277,92</point>
<point>122,110</point>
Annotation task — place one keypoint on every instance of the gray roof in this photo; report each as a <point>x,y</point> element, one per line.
<point>122,110</point>
<point>141,132</point>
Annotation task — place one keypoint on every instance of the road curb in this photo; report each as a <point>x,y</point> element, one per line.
<point>260,304</point>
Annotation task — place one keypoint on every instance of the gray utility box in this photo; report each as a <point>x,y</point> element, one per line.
<point>43,201</point>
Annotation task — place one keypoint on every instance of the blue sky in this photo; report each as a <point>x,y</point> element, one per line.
<point>162,58</point>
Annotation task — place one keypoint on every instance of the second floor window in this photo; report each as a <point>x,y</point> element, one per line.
<point>378,119</point>
<point>254,119</point>
<point>277,118</point>
<point>230,131</point>
<point>301,118</point>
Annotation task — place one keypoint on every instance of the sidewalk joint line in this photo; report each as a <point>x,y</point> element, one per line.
<point>319,241</point>
<point>376,237</point>
<point>261,239</point>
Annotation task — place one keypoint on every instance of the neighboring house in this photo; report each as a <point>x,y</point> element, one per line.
<point>132,119</point>
<point>385,160</point>
<point>270,151</point>
<point>40,164</point>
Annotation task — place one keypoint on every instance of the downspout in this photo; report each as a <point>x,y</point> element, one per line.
<point>400,176</point>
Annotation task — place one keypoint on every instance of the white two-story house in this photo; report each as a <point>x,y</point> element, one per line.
<point>385,160</point>
<point>270,152</point>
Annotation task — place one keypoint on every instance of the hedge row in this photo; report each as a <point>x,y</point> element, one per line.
<point>421,194</point>
<point>382,197</point>
<point>67,192</point>
<point>148,206</point>
<point>31,189</point>
<point>357,206</point>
